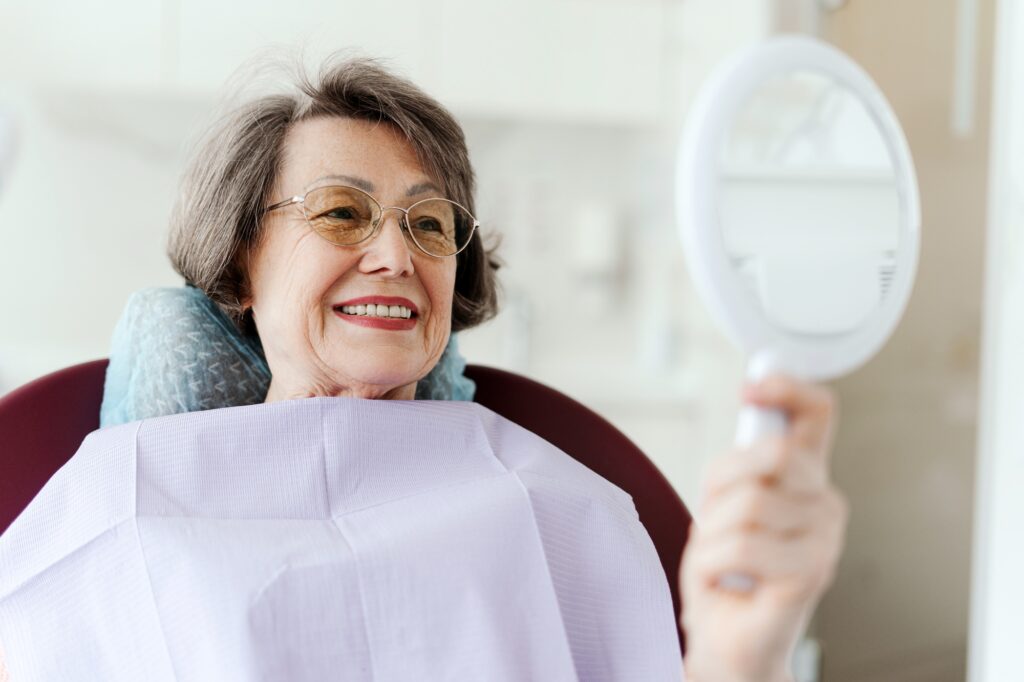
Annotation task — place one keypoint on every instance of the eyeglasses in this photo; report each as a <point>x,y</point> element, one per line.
<point>346,216</point>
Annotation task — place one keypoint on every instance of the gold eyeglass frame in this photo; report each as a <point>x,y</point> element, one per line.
<point>403,223</point>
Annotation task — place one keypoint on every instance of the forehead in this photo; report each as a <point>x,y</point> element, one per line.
<point>324,146</point>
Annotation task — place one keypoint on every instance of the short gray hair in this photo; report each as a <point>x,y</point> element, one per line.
<point>218,215</point>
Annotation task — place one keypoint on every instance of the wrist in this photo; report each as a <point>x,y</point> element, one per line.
<point>698,670</point>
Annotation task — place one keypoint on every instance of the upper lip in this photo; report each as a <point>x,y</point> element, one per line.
<point>386,300</point>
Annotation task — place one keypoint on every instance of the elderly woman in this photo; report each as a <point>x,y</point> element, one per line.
<point>336,227</point>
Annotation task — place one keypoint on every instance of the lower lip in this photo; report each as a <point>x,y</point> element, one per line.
<point>396,324</point>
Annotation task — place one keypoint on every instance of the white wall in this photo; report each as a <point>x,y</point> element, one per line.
<point>998,570</point>
<point>83,220</point>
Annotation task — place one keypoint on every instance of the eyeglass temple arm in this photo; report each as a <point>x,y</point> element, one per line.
<point>282,204</point>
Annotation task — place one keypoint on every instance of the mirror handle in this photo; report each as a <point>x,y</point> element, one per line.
<point>752,424</point>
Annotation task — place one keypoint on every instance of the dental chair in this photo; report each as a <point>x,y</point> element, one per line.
<point>43,423</point>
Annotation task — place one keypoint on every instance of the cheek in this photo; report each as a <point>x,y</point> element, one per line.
<point>289,283</point>
<point>441,289</point>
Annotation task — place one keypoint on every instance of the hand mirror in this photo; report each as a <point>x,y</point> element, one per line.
<point>799,212</point>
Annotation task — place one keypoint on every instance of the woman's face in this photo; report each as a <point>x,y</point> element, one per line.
<point>298,281</point>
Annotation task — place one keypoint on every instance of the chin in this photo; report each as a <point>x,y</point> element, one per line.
<point>382,370</point>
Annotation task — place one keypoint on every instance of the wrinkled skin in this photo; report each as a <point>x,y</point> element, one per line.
<point>296,277</point>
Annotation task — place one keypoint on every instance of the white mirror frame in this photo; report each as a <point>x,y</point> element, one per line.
<point>709,122</point>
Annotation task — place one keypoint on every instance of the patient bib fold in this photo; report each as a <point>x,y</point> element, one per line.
<point>332,538</point>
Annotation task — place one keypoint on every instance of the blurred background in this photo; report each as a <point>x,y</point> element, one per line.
<point>573,110</point>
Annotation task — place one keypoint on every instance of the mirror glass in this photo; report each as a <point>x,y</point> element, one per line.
<point>808,204</point>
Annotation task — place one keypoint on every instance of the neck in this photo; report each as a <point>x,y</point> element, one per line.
<point>278,392</point>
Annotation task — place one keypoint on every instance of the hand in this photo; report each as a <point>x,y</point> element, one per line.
<point>771,513</point>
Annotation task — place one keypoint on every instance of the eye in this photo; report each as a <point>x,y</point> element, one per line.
<point>426,224</point>
<point>342,213</point>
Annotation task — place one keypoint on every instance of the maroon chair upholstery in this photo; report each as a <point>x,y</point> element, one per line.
<point>41,426</point>
<point>43,423</point>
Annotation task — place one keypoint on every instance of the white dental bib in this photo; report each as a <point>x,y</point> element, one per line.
<point>332,538</point>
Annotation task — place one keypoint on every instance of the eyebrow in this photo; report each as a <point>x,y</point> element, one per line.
<point>369,187</point>
<point>364,185</point>
<point>422,188</point>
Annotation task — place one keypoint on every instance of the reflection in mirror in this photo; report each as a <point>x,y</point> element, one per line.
<point>808,202</point>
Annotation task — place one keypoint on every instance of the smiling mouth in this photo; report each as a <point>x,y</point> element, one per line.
<point>371,310</point>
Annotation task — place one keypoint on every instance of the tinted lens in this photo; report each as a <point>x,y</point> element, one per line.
<point>440,227</point>
<point>341,215</point>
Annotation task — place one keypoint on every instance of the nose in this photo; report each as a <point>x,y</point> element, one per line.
<point>388,252</point>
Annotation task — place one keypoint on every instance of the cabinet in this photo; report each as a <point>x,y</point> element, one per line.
<point>215,39</point>
<point>591,61</point>
<point>121,43</point>
<point>584,60</point>
<point>596,61</point>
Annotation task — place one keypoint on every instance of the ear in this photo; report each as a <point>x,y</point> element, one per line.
<point>241,268</point>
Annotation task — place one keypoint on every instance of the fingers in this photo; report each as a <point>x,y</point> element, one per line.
<point>801,568</point>
<point>795,461</point>
<point>757,555</point>
<point>775,540</point>
<point>769,512</point>
<point>770,461</point>
<point>811,408</point>
<point>748,507</point>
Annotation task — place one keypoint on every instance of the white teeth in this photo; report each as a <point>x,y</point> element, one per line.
<point>375,310</point>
